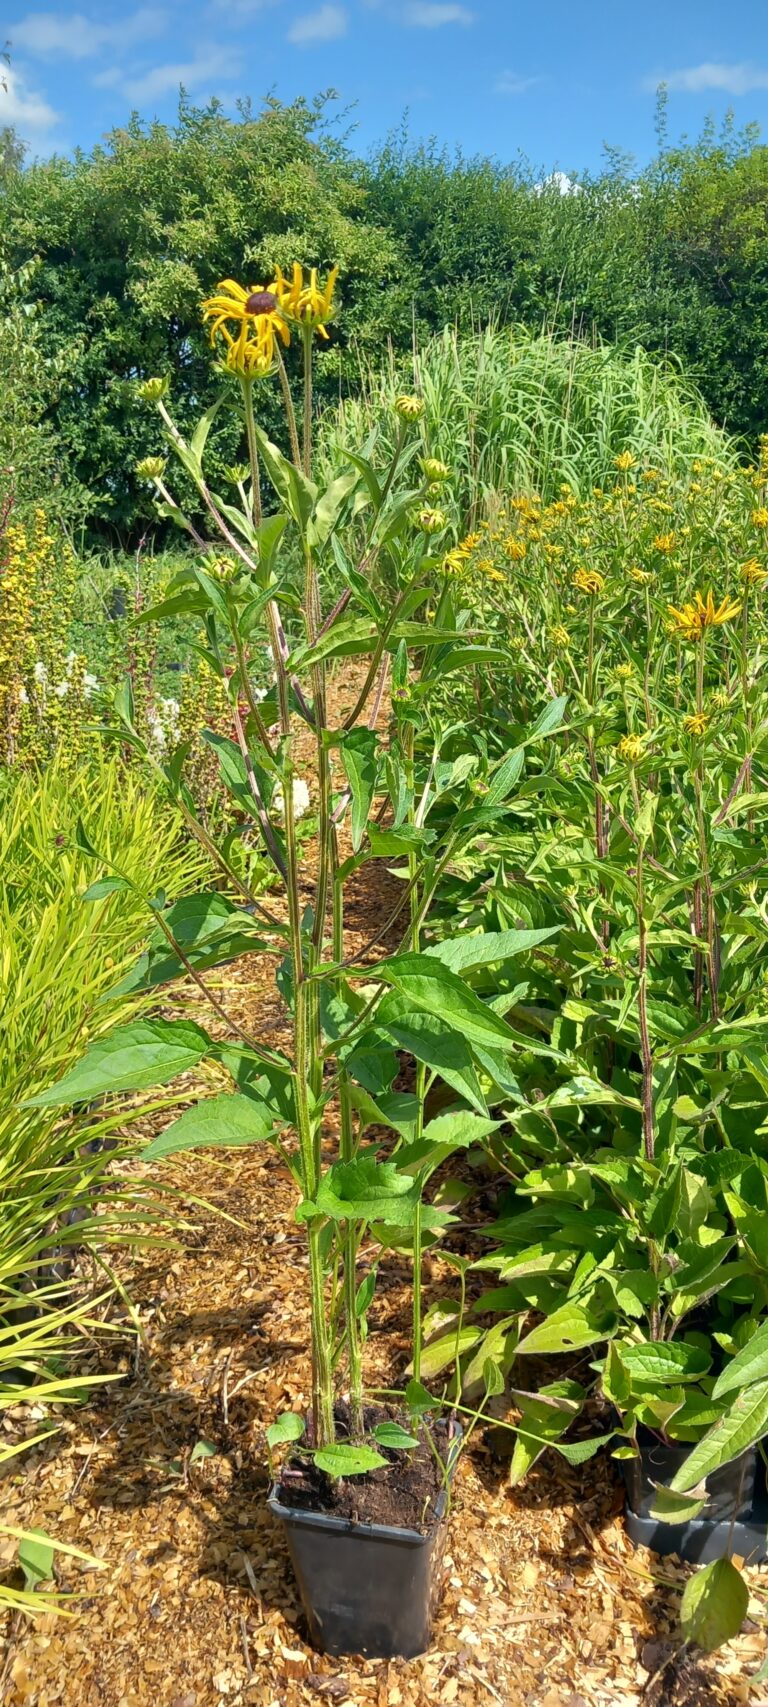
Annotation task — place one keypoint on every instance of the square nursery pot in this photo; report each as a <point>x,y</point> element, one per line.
<point>734,1520</point>
<point>366,1588</point>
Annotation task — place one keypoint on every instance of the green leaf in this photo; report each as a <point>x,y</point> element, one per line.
<point>367,1190</point>
<point>744,1423</point>
<point>669,1506</point>
<point>297,494</point>
<point>664,1362</point>
<point>433,989</point>
<point>135,1057</point>
<point>289,1426</point>
<point>750,1364</point>
<point>392,1436</point>
<point>437,1045</point>
<point>441,1352</point>
<point>202,1449</point>
<point>105,886</point>
<point>342,1460</point>
<point>463,953</point>
<point>419,1400</point>
<point>567,1329</point>
<point>36,1554</point>
<point>221,1122</point>
<point>550,718</point>
<point>329,506</point>
<point>359,749</point>
<point>714,1605</point>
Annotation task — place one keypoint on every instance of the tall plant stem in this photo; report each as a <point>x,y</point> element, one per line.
<point>290,412</point>
<point>705,919</point>
<point>646,1053</point>
<point>351,1321</point>
<point>307,336</point>
<point>414,943</point>
<point>247,385</point>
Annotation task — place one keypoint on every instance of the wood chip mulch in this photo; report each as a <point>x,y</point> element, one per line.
<point>545,1603</point>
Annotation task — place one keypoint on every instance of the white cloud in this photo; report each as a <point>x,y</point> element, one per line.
<point>57,35</point>
<point>434,14</point>
<point>326,24</point>
<point>206,70</point>
<point>25,111</point>
<point>561,182</point>
<point>511,83</point>
<point>732,79</point>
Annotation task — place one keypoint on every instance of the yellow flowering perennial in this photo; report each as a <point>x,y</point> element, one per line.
<point>588,581</point>
<point>696,723</point>
<point>752,573</point>
<point>693,619</point>
<point>307,304</point>
<point>257,318</point>
<point>630,748</point>
<point>624,461</point>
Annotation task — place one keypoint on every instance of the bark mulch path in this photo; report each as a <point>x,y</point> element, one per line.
<point>545,1603</point>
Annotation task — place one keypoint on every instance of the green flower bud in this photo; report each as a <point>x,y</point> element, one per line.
<point>431,521</point>
<point>409,408</point>
<point>434,470</point>
<point>151,390</point>
<point>150,468</point>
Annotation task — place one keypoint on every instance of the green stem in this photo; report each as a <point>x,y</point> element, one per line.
<point>253,454</point>
<point>307,335</point>
<point>290,412</point>
<point>421,1072</point>
<point>351,1321</point>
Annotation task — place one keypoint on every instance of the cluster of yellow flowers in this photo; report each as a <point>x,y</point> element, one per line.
<point>253,320</point>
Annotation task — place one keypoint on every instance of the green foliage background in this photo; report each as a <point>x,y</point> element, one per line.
<point>128,238</point>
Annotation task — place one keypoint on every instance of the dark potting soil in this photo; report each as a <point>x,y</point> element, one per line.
<point>402,1493</point>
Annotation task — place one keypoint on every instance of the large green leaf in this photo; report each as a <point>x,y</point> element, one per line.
<point>432,988</point>
<point>135,1057</point>
<point>745,1422</point>
<point>367,1190</point>
<point>664,1361</point>
<point>714,1605</point>
<point>436,1044</point>
<point>462,953</point>
<point>223,1122</point>
<point>749,1365</point>
<point>341,1459</point>
<point>567,1329</point>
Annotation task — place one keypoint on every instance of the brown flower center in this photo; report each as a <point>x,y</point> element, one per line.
<point>261,302</point>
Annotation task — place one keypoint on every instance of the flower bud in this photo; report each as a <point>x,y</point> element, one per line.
<point>151,390</point>
<point>431,521</point>
<point>150,468</point>
<point>435,471</point>
<point>409,408</point>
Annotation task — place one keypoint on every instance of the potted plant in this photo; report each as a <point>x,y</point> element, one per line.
<point>348,570</point>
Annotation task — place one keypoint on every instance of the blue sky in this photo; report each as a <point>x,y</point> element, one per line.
<point>556,80</point>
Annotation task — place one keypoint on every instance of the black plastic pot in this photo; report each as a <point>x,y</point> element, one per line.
<point>366,1588</point>
<point>734,1520</point>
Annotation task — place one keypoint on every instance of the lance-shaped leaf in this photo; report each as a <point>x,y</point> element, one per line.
<point>432,988</point>
<point>669,1506</point>
<point>297,494</point>
<point>749,1365</point>
<point>342,1459</point>
<point>463,953</point>
<point>745,1422</point>
<point>438,1045</point>
<point>135,1057</point>
<point>443,1137</point>
<point>220,1122</point>
<point>567,1329</point>
<point>665,1362</point>
<point>359,757</point>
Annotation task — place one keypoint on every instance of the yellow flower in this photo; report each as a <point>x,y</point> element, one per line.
<point>693,619</point>
<point>760,517</point>
<point>454,562</point>
<point>625,672</point>
<point>664,542</point>
<point>752,574</point>
<point>624,461</point>
<point>641,576</point>
<point>721,699</point>
<point>256,316</point>
<point>588,581</point>
<point>409,408</point>
<point>696,723</point>
<point>515,548</point>
<point>630,748</point>
<point>310,304</point>
<point>560,636</point>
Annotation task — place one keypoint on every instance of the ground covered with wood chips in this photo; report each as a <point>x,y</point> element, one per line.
<point>545,1602</point>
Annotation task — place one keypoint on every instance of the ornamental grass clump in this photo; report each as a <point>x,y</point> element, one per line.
<point>348,569</point>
